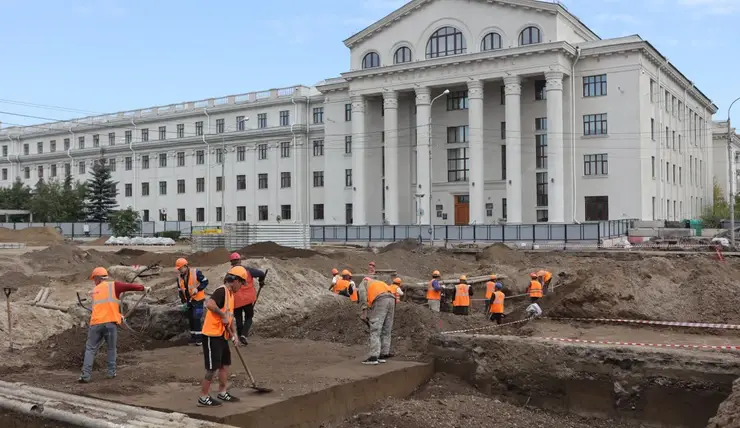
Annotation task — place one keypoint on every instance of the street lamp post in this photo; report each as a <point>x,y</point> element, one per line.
<point>730,161</point>
<point>429,143</point>
<point>223,174</point>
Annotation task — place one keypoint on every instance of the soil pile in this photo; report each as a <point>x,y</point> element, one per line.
<point>728,414</point>
<point>406,245</point>
<point>210,258</point>
<point>32,324</point>
<point>31,236</point>
<point>271,249</point>
<point>67,259</point>
<point>502,254</point>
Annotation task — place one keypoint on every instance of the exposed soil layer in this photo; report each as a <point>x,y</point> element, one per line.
<point>19,420</point>
<point>68,262</point>
<point>271,249</point>
<point>31,236</point>
<point>728,415</point>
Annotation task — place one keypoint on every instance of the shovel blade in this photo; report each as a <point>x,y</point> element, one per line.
<point>261,389</point>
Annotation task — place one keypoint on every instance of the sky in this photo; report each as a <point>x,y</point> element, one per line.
<point>101,56</point>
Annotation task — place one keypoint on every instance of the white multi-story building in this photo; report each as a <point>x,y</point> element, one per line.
<point>722,174</point>
<point>543,121</point>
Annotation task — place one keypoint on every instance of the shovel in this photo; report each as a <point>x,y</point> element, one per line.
<point>259,389</point>
<point>260,289</point>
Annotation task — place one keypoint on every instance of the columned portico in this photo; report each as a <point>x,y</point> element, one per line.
<point>359,195</point>
<point>555,156</point>
<point>513,92</point>
<point>476,156</point>
<point>422,154</point>
<point>392,182</point>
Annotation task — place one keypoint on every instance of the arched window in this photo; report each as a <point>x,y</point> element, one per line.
<point>444,42</point>
<point>371,60</point>
<point>530,36</point>
<point>403,54</point>
<point>490,42</point>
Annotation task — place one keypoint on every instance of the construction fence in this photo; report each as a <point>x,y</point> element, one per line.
<point>238,235</point>
<point>96,230</point>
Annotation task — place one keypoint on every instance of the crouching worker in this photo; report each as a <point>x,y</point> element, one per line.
<point>496,304</point>
<point>377,304</point>
<point>344,286</point>
<point>218,329</point>
<point>104,320</point>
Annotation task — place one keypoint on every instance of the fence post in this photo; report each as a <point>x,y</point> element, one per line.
<point>565,236</point>
<point>598,235</point>
<point>503,233</point>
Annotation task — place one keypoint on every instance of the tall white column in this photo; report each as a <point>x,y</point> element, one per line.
<point>513,91</point>
<point>555,150</point>
<point>359,142</point>
<point>476,176</point>
<point>423,153</point>
<point>392,192</point>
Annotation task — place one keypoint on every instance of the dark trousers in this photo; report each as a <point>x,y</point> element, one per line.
<point>546,286</point>
<point>497,318</point>
<point>461,310</point>
<point>244,317</point>
<point>534,299</point>
<point>195,316</point>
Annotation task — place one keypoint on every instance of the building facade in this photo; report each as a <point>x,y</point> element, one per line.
<point>725,178</point>
<point>452,112</point>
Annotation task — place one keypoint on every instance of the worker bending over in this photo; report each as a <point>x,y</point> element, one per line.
<point>496,306</point>
<point>218,328</point>
<point>535,288</point>
<point>545,277</point>
<point>192,284</point>
<point>461,297</point>
<point>245,298</point>
<point>396,289</point>
<point>434,292</point>
<point>377,305</point>
<point>345,286</point>
<point>104,320</point>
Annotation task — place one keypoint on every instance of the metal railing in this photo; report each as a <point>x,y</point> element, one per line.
<point>76,230</point>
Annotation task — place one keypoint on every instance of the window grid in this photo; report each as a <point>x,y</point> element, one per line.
<point>318,179</point>
<point>541,189</point>
<point>348,112</point>
<point>371,60</point>
<point>220,126</point>
<point>262,151</point>
<point>162,132</point>
<point>285,149</point>
<point>285,180</point>
<point>347,144</point>
<point>318,147</point>
<point>318,115</point>
<point>596,164</point>
<point>594,86</point>
<point>347,178</point>
<point>594,124</point>
<point>285,118</point>
<point>402,55</point>
<point>457,164</point>
<point>262,181</point>
<point>445,42</point>
<point>262,120</point>
<point>490,42</point>
<point>530,36</point>
<point>457,100</point>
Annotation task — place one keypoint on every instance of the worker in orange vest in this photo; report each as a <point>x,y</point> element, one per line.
<point>104,319</point>
<point>345,286</point>
<point>461,294</point>
<point>245,298</point>
<point>218,328</point>
<point>496,309</point>
<point>544,277</point>
<point>396,288</point>
<point>377,306</point>
<point>191,285</point>
<point>490,289</point>
<point>535,288</point>
<point>434,292</point>
<point>334,277</point>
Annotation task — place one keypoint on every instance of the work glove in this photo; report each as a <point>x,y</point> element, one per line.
<point>147,290</point>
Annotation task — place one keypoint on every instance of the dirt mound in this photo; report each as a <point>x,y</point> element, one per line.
<point>502,254</point>
<point>210,258</point>
<point>271,249</point>
<point>67,260</point>
<point>31,324</point>
<point>31,235</point>
<point>406,245</point>
<point>728,414</point>
<point>100,241</point>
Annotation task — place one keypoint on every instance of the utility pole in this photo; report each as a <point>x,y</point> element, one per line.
<point>731,161</point>
<point>429,143</point>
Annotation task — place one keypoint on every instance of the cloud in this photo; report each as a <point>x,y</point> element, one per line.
<point>618,17</point>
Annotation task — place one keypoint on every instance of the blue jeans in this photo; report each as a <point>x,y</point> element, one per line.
<point>95,336</point>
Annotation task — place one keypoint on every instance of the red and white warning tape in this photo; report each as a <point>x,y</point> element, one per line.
<point>650,322</point>
<point>654,345</point>
<point>494,326</point>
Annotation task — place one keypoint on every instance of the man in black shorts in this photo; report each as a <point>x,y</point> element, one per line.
<point>218,329</point>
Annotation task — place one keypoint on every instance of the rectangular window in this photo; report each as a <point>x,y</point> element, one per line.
<point>40,171</point>
<point>145,162</point>
<point>503,95</point>
<point>67,169</point>
<point>144,135</point>
<point>181,214</point>
<point>503,131</point>
<point>594,86</point>
<point>163,160</point>
<point>145,215</point>
<point>199,128</point>
<point>96,140</point>
<point>219,156</point>
<point>318,147</point>
<point>81,142</point>
<point>241,213</point>
<point>81,167</point>
<point>667,172</point>
<point>594,124</point>
<point>457,164</point>
<point>262,120</point>
<point>667,138</point>
<point>674,173</point>
<point>5,151</point>
<point>284,117</point>
<point>679,144</point>
<point>667,101</point>
<point>541,189</point>
<point>128,190</point>
<point>127,137</point>
<point>66,144</point>
<point>542,216</point>
<point>200,185</point>
<point>285,149</point>
<point>162,187</point>
<point>180,130</point>
<point>180,186</point>
<point>111,138</point>
<point>262,151</point>
<point>5,173</point>
<point>285,213</point>
<point>200,157</point>
<point>348,213</point>
<point>26,150</point>
<point>652,91</point>
<point>263,212</point>
<point>200,214</point>
<point>540,92</point>
<point>112,165</point>
<point>40,147</point>
<point>241,153</point>
<point>262,181</point>
<point>503,161</point>
<point>318,115</point>
<point>27,171</point>
<point>220,126</point>
<point>318,179</point>
<point>596,164</point>
<point>285,180</point>
<point>652,129</point>
<point>348,112</point>
<point>347,178</point>
<point>540,143</point>
<point>128,163</point>
<point>503,208</point>
<point>162,132</point>
<point>241,182</point>
<point>457,100</point>
<point>347,144</point>
<point>53,171</point>
<point>220,184</point>
<point>52,146</point>
<point>540,124</point>
<point>220,213</point>
<point>163,215</point>
<point>674,139</point>
<point>318,211</point>
<point>680,176</point>
<point>457,134</point>
<point>240,123</point>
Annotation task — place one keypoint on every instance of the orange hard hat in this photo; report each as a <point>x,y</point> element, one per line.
<point>435,273</point>
<point>235,256</point>
<point>345,272</point>
<point>397,281</point>
<point>98,272</point>
<point>180,263</point>
<point>493,276</point>
<point>238,271</point>
<point>463,278</point>
<point>334,271</point>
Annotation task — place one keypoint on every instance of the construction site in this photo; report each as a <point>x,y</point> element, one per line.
<point>627,339</point>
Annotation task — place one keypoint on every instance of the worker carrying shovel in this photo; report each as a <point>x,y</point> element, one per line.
<point>191,284</point>
<point>377,306</point>
<point>245,298</point>
<point>104,320</point>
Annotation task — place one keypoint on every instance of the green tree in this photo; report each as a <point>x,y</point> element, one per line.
<point>16,197</point>
<point>101,194</point>
<point>713,215</point>
<point>125,223</point>
<point>73,200</point>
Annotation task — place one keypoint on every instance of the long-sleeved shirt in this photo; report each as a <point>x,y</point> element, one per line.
<point>362,295</point>
<point>256,273</point>
<point>122,287</point>
<point>200,279</point>
<point>436,285</point>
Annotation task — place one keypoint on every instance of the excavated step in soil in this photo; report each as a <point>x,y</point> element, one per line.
<point>671,388</point>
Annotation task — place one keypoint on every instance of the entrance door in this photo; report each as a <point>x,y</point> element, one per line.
<point>462,209</point>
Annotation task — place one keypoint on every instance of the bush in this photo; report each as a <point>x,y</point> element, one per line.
<point>125,223</point>
<point>172,234</point>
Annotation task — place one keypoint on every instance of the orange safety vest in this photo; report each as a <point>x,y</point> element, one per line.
<point>546,276</point>
<point>497,307</point>
<point>535,288</point>
<point>355,297</point>
<point>433,294</point>
<point>394,289</point>
<point>340,286</point>
<point>213,325</point>
<point>247,294</point>
<point>490,288</point>
<point>462,295</point>
<point>195,295</point>
<point>106,307</point>
<point>375,289</point>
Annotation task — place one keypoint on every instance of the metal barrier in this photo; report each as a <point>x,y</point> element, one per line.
<point>239,235</point>
<point>584,232</point>
<point>76,230</point>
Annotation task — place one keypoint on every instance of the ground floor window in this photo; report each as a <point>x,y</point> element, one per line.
<point>597,208</point>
